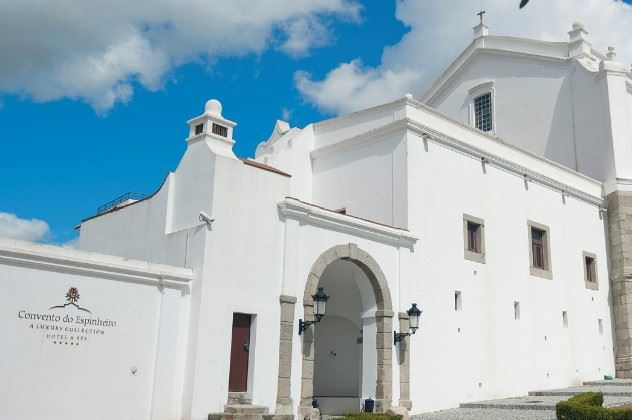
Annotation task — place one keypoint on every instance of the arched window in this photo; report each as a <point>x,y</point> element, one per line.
<point>482,112</point>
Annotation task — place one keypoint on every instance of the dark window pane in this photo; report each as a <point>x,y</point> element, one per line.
<point>473,237</point>
<point>591,274</point>
<point>537,248</point>
<point>199,128</point>
<point>220,130</point>
<point>538,256</point>
<point>483,112</point>
<point>537,235</point>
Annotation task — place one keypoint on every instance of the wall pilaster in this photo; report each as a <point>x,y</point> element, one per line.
<point>404,363</point>
<point>620,241</point>
<point>284,397</point>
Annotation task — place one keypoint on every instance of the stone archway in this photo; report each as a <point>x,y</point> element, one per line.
<point>383,318</point>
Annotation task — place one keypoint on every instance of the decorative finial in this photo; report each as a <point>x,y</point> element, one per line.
<point>213,107</point>
<point>611,54</point>
<point>480,15</point>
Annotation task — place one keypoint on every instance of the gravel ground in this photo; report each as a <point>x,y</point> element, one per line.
<point>486,414</point>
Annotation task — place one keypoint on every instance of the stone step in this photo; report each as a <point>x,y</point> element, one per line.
<point>241,416</point>
<point>239,398</point>
<point>245,409</point>
<point>545,402</point>
<point>612,382</point>
<point>234,416</point>
<point>607,390</point>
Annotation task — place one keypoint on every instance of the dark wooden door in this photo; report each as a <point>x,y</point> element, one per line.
<point>238,377</point>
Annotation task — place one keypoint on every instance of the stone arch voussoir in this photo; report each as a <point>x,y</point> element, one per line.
<point>384,322</point>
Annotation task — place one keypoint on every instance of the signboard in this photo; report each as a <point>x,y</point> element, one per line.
<point>67,324</point>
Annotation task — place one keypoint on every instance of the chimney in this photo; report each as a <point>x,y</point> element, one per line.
<point>214,129</point>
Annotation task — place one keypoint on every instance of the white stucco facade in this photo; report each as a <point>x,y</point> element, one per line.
<point>373,207</point>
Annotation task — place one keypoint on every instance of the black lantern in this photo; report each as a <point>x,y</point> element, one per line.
<point>413,319</point>
<point>413,316</point>
<point>320,304</point>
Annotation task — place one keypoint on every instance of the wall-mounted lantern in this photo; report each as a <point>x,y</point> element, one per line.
<point>413,318</point>
<point>320,303</point>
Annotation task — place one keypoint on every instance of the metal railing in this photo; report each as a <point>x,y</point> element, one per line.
<point>121,199</point>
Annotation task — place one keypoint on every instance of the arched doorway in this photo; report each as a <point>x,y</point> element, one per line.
<point>348,355</point>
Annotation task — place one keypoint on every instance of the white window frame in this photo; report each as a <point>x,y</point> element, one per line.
<point>477,91</point>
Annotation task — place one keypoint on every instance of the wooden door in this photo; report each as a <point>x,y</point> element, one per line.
<point>238,377</point>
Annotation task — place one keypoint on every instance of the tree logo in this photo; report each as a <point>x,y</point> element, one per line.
<point>72,297</point>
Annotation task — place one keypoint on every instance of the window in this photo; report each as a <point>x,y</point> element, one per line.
<point>516,311</point>
<point>483,112</point>
<point>539,250</point>
<point>590,271</point>
<point>537,243</point>
<point>600,324</point>
<point>457,301</point>
<point>564,319</point>
<point>199,129</point>
<point>474,238</point>
<point>220,130</point>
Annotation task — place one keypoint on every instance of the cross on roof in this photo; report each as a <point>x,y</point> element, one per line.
<point>480,15</point>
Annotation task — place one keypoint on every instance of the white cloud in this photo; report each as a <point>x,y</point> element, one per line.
<point>351,86</point>
<point>95,51</point>
<point>440,30</point>
<point>12,226</point>
<point>302,35</point>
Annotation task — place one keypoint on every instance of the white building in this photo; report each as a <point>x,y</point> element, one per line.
<point>500,202</point>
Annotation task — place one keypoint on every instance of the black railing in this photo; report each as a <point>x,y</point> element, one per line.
<point>121,199</point>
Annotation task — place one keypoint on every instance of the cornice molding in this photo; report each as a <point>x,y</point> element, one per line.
<point>407,124</point>
<point>311,214</point>
<point>52,258</point>
<point>500,162</point>
<point>470,54</point>
<point>364,139</point>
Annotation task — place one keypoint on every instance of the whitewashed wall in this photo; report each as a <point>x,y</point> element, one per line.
<point>367,181</point>
<point>59,364</point>
<point>532,104</point>
<point>140,230</point>
<point>481,352</point>
<point>242,263</point>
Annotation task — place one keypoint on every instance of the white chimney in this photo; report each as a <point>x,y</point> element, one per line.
<point>211,127</point>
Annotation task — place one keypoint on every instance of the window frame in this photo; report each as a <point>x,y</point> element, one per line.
<point>592,285</point>
<point>547,271</point>
<point>478,257</point>
<point>475,93</point>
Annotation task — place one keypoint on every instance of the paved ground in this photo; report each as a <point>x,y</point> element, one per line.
<point>538,405</point>
<point>487,414</point>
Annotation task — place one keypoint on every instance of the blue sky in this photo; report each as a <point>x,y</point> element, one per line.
<point>63,157</point>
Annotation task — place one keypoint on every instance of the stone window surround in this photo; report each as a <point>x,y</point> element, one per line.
<point>534,271</point>
<point>477,91</point>
<point>470,255</point>
<point>590,285</point>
